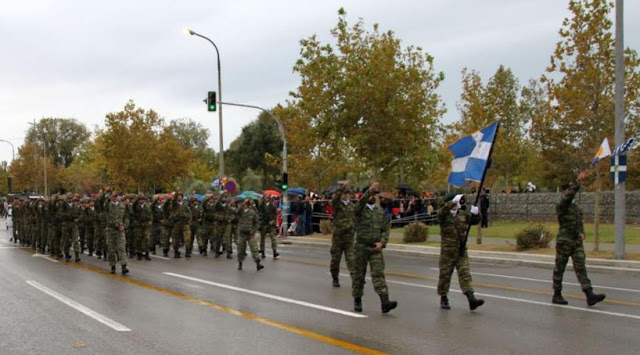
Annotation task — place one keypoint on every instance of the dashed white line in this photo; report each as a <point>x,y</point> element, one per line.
<point>266,295</point>
<point>45,257</point>
<point>87,311</point>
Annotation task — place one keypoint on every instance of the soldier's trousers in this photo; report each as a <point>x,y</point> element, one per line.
<point>157,230</point>
<point>268,232</point>
<point>99,241</point>
<point>206,234</point>
<point>55,239</point>
<point>142,238</point>
<point>129,235</point>
<point>226,238</point>
<point>243,239</point>
<point>166,237</point>
<point>216,240</point>
<point>195,234</point>
<point>341,244</point>
<point>42,241</point>
<point>566,248</point>
<point>89,233</point>
<point>450,259</point>
<point>81,232</point>
<point>70,236</point>
<point>181,232</point>
<point>363,255</point>
<point>116,246</point>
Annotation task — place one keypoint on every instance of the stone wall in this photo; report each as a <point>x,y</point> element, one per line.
<point>542,206</point>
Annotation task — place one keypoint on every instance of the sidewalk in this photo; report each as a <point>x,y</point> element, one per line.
<point>493,257</point>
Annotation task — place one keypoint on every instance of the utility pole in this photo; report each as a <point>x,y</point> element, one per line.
<point>619,208</point>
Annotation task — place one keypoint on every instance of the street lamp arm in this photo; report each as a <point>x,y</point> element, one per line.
<point>13,150</point>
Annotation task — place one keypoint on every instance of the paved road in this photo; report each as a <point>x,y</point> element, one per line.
<point>205,305</point>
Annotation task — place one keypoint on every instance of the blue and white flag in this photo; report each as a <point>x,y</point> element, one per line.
<point>470,156</point>
<point>623,148</point>
<point>618,169</point>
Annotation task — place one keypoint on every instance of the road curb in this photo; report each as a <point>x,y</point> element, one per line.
<point>501,258</point>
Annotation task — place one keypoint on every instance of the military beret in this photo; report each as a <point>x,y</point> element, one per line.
<point>449,196</point>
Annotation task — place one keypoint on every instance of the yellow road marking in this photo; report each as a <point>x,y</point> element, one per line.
<point>235,312</point>
<point>479,284</point>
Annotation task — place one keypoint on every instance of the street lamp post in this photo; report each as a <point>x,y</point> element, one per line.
<point>221,159</point>
<point>13,150</point>
<point>285,202</point>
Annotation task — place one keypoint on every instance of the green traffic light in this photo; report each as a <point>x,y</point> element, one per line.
<point>212,107</point>
<point>284,187</point>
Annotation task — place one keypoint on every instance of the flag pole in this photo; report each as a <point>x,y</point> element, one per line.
<point>463,244</point>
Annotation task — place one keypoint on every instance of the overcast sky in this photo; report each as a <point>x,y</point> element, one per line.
<point>84,59</point>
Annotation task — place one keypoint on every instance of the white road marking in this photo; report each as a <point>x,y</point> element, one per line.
<point>266,295</point>
<point>87,311</point>
<point>45,257</point>
<point>546,304</point>
<point>3,247</point>
<point>546,281</point>
<point>159,257</point>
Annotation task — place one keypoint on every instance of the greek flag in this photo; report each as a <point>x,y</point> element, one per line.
<point>618,169</point>
<point>623,148</point>
<point>470,156</point>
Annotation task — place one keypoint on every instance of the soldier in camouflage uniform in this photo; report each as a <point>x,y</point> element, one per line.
<point>89,225</point>
<point>157,227</point>
<point>454,221</point>
<point>248,223</point>
<point>233,211</point>
<point>56,226</point>
<point>129,233</point>
<point>180,216</point>
<point>229,217</point>
<point>569,244</point>
<point>269,222</point>
<point>116,221</point>
<point>343,232</point>
<point>208,224</point>
<point>372,234</point>
<point>142,220</point>
<point>99,232</point>
<point>196,221</point>
<point>220,211</point>
<point>70,215</point>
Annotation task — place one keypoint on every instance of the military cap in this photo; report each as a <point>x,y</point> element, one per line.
<point>448,197</point>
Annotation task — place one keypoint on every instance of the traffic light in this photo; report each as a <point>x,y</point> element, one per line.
<point>211,101</point>
<point>285,181</point>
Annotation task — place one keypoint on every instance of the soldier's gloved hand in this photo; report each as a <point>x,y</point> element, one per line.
<point>457,199</point>
<point>474,210</point>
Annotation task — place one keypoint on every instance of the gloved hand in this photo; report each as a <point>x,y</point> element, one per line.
<point>457,199</point>
<point>474,210</point>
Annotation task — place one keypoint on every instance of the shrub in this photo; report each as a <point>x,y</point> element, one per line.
<point>533,237</point>
<point>326,226</point>
<point>415,233</point>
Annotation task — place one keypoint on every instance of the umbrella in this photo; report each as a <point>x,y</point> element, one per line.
<point>331,190</point>
<point>404,187</point>
<point>199,197</point>
<point>297,191</point>
<point>272,193</point>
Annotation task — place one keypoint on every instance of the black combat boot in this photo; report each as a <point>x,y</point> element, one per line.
<point>336,281</point>
<point>473,302</point>
<point>113,269</point>
<point>67,257</point>
<point>187,255</point>
<point>99,255</point>
<point>153,250</point>
<point>275,254</point>
<point>124,269</point>
<point>263,255</point>
<point>593,298</point>
<point>444,302</point>
<point>357,304</point>
<point>165,252</point>
<point>139,256</point>
<point>386,304</point>
<point>146,256</point>
<point>176,254</point>
<point>204,252</point>
<point>558,299</point>
<point>259,266</point>
<point>239,265</point>
<point>90,252</point>
<point>229,256</point>
<point>77,257</point>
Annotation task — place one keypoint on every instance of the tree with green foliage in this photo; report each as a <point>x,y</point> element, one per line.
<point>62,137</point>
<point>367,105</point>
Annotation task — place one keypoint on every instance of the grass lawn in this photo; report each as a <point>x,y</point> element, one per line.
<point>508,230</point>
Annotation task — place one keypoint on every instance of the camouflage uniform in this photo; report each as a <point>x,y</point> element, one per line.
<point>196,221</point>
<point>343,233</point>
<point>99,233</point>
<point>90,228</point>
<point>168,227</point>
<point>248,223</point>
<point>157,228</point>
<point>453,230</point>
<point>116,220</point>
<point>56,227</point>
<point>569,243</point>
<point>181,232</point>
<point>220,219</point>
<point>70,235</point>
<point>129,233</point>
<point>269,221</point>
<point>371,227</point>
<point>142,219</point>
<point>227,241</point>
<point>208,225</point>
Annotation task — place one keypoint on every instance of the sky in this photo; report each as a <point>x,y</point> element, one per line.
<point>85,59</point>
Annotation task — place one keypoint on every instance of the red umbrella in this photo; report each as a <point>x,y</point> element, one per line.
<point>272,193</point>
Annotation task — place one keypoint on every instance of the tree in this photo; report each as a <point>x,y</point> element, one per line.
<point>193,137</point>
<point>255,149</point>
<point>62,137</point>
<point>580,83</point>
<point>369,106</point>
<point>481,105</point>
<point>137,152</point>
